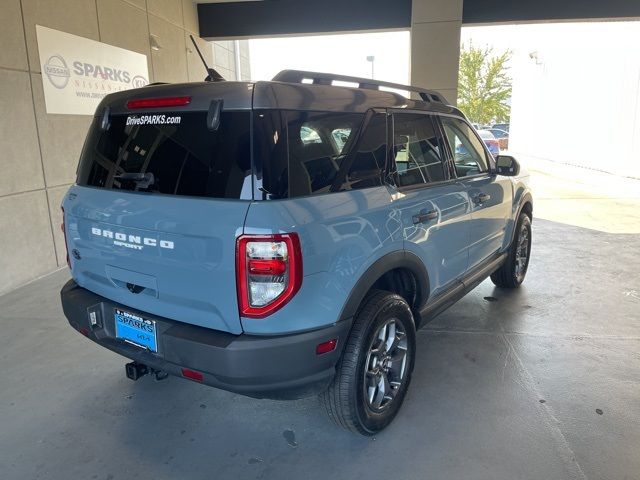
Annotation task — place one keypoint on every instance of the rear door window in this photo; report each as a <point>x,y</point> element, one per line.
<point>138,153</point>
<point>417,149</point>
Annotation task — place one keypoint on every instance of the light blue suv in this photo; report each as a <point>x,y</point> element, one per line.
<point>286,238</point>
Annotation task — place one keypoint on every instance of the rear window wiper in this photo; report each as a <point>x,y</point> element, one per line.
<point>142,180</point>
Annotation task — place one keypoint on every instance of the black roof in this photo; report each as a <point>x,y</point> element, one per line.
<point>289,90</point>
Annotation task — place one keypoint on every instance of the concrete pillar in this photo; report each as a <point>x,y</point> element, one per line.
<point>435,45</point>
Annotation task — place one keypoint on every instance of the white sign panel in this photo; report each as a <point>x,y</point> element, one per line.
<point>77,72</point>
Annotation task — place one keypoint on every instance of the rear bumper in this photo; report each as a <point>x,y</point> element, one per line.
<point>281,367</point>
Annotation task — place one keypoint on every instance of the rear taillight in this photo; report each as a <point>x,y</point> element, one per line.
<point>64,234</point>
<point>268,272</point>
<point>159,102</point>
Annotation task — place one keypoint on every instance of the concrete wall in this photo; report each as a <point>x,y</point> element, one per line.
<point>39,152</point>
<point>576,96</point>
<point>435,45</point>
<point>231,59</point>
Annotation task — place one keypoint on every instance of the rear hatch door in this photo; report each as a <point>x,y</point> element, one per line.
<point>159,202</point>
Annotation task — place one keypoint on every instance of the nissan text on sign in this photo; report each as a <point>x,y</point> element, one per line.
<point>77,72</point>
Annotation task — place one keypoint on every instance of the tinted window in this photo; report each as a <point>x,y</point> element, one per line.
<point>417,150</point>
<point>364,165</point>
<point>270,153</point>
<point>308,153</point>
<point>178,158</point>
<point>309,135</point>
<point>313,165</point>
<point>468,150</point>
<point>340,137</point>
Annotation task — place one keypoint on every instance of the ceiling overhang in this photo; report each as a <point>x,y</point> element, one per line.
<point>245,19</point>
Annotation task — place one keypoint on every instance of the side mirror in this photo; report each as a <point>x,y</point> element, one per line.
<point>507,165</point>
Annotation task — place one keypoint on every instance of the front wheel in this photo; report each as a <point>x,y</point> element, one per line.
<point>374,372</point>
<point>511,274</point>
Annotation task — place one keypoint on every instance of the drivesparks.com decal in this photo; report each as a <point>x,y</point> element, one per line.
<point>153,120</point>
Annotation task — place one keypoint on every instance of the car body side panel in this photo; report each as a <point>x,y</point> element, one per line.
<point>341,235</point>
<point>489,219</point>
<point>441,243</point>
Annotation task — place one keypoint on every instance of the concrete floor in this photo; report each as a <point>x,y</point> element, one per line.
<point>583,197</point>
<point>541,383</point>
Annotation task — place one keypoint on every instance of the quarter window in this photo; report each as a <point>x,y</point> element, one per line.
<point>310,153</point>
<point>417,150</point>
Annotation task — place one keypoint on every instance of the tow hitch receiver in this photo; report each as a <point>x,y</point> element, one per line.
<point>136,370</point>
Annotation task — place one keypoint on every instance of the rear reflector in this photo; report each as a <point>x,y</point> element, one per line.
<point>192,374</point>
<point>159,102</point>
<point>326,347</point>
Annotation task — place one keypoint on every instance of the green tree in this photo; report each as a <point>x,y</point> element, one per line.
<point>484,86</point>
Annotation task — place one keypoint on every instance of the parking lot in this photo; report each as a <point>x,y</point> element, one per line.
<point>542,382</point>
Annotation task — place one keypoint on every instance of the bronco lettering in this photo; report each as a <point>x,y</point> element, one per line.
<point>135,242</point>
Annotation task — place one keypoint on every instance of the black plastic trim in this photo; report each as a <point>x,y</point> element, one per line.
<point>460,288</point>
<point>388,262</point>
<point>279,367</point>
<point>526,198</point>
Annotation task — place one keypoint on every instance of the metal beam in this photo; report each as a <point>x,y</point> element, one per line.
<point>505,11</point>
<point>286,17</point>
<point>290,17</point>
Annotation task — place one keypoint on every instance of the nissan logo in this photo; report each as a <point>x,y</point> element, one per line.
<point>57,71</point>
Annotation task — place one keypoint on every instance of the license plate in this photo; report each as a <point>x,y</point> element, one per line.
<point>136,330</point>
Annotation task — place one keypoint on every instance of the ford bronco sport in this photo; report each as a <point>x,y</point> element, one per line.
<point>286,238</point>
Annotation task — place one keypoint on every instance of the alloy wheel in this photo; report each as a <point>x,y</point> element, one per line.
<point>386,365</point>
<point>522,253</point>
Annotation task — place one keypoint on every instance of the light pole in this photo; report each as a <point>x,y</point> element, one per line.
<point>372,59</point>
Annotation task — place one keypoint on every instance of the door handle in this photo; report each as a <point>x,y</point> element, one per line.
<point>424,217</point>
<point>481,198</point>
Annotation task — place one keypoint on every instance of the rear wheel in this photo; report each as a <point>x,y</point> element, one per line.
<point>511,274</point>
<point>375,370</point>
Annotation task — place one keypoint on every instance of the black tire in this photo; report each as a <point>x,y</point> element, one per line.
<point>345,400</point>
<point>513,271</point>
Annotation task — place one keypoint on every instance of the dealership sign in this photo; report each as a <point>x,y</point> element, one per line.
<point>77,72</point>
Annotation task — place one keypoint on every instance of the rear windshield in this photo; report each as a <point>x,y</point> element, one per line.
<point>175,155</point>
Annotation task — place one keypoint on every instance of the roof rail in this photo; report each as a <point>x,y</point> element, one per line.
<point>298,76</point>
